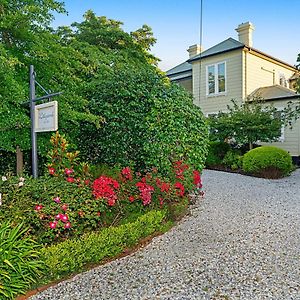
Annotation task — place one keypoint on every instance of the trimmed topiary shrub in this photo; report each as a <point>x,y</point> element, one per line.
<point>216,153</point>
<point>267,162</point>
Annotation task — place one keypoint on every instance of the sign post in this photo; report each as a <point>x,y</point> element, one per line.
<point>43,116</point>
<point>32,113</point>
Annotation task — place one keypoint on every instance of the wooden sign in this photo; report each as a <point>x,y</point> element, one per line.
<point>46,117</point>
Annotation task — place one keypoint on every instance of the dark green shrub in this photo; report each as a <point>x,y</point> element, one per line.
<point>233,160</point>
<point>149,122</point>
<point>267,161</point>
<point>72,255</point>
<point>19,261</point>
<point>216,153</point>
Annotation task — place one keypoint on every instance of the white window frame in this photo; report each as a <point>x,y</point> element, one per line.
<point>216,93</point>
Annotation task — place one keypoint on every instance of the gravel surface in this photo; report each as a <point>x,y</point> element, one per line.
<point>241,242</point>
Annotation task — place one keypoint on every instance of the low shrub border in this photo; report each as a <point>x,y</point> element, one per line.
<point>72,255</point>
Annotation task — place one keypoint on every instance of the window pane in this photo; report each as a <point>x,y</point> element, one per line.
<point>221,77</point>
<point>211,79</point>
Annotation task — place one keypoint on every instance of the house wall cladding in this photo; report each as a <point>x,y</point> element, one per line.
<point>258,72</point>
<point>291,141</point>
<point>216,103</point>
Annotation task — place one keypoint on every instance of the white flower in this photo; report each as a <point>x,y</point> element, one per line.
<point>21,183</point>
<point>22,179</point>
<point>4,178</point>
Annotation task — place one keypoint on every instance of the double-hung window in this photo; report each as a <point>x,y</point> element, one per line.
<point>216,79</point>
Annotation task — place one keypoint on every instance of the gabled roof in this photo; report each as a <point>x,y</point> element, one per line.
<point>274,92</point>
<point>227,45</point>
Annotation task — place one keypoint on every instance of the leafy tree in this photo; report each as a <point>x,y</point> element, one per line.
<point>252,121</point>
<point>247,123</point>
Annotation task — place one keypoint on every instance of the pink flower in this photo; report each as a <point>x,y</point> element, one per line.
<point>67,225</point>
<point>64,218</point>
<point>51,171</point>
<point>38,207</point>
<point>58,217</point>
<point>70,179</point>
<point>111,201</point>
<point>53,225</point>
<point>68,171</point>
<point>64,207</point>
<point>56,199</point>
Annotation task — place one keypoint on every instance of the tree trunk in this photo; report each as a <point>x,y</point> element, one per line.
<point>250,146</point>
<point>19,154</point>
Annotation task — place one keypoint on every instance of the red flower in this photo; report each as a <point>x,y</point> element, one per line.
<point>197,179</point>
<point>126,173</point>
<point>161,201</point>
<point>179,169</point>
<point>145,192</point>
<point>38,207</point>
<point>67,225</point>
<point>64,207</point>
<point>165,187</point>
<point>53,225</point>
<point>69,171</point>
<point>105,187</point>
<point>87,182</point>
<point>111,201</point>
<point>131,199</point>
<point>51,171</point>
<point>180,187</point>
<point>64,218</point>
<point>81,213</point>
<point>58,217</point>
<point>98,213</point>
<point>70,179</point>
<point>158,182</point>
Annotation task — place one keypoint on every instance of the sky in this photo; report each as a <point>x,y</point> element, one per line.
<point>176,23</point>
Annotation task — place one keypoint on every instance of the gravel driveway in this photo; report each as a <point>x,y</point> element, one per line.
<point>241,242</point>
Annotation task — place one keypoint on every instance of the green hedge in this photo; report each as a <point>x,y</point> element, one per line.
<point>72,255</point>
<point>267,161</point>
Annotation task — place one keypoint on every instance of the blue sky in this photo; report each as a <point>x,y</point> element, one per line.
<point>176,23</point>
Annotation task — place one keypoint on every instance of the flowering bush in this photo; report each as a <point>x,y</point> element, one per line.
<point>69,202</point>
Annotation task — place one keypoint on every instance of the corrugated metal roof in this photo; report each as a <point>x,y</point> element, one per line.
<point>273,92</point>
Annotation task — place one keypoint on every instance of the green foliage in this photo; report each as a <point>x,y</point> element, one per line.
<point>20,266</point>
<point>267,161</point>
<point>233,160</point>
<point>216,153</point>
<point>148,121</point>
<point>247,123</point>
<point>72,255</point>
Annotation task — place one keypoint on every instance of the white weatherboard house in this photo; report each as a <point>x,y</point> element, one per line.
<point>233,69</point>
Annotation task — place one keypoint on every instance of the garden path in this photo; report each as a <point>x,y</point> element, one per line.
<point>241,242</point>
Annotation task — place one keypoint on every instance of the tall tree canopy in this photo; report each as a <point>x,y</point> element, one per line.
<point>117,106</point>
